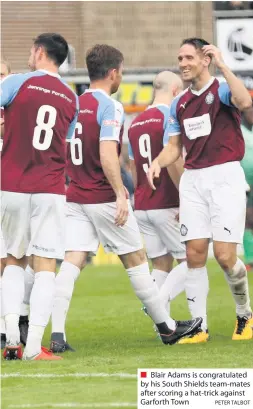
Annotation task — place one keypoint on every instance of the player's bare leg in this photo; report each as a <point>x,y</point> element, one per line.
<point>41,303</point>
<point>197,286</point>
<point>12,297</point>
<point>236,276</point>
<point>147,291</point>
<point>73,263</point>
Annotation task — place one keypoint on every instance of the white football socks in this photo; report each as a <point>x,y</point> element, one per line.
<point>238,283</point>
<point>13,295</point>
<point>159,276</point>
<point>65,281</point>
<point>29,281</point>
<point>147,291</point>
<point>2,322</point>
<point>196,288</point>
<point>24,309</point>
<point>174,284</point>
<point>41,303</point>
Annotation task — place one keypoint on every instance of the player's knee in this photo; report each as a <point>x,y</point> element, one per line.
<point>13,261</point>
<point>225,259</point>
<point>78,258</point>
<point>2,265</point>
<point>164,263</point>
<point>195,257</point>
<point>44,264</point>
<point>134,259</point>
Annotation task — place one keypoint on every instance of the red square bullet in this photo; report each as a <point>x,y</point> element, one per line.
<point>143,374</point>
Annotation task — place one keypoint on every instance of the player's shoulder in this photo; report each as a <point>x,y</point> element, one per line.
<point>179,98</point>
<point>223,87</point>
<point>106,100</point>
<point>18,79</point>
<point>164,109</point>
<point>68,87</point>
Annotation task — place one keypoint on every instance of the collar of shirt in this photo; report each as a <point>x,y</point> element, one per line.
<point>199,92</point>
<point>53,74</point>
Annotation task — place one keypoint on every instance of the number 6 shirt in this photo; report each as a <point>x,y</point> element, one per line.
<point>146,135</point>
<point>40,113</point>
<point>100,119</point>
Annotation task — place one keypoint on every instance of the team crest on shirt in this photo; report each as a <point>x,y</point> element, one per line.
<point>171,120</point>
<point>183,230</point>
<point>209,98</point>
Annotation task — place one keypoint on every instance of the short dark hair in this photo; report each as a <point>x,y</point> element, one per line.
<point>198,43</point>
<point>102,58</point>
<point>55,46</point>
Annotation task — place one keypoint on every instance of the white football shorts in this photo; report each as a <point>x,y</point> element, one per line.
<point>88,225</point>
<point>161,232</point>
<point>213,203</point>
<point>33,224</point>
<point>3,253</point>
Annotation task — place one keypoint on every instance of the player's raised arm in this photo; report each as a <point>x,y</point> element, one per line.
<point>240,97</point>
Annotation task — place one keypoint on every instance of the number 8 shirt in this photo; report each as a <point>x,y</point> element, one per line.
<point>40,113</point>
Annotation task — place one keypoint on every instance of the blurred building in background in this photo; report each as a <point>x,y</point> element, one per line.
<point>148,33</point>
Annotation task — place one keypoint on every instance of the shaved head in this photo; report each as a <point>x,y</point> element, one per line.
<point>166,81</point>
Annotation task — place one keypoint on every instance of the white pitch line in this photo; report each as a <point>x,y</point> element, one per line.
<point>69,375</point>
<point>75,405</point>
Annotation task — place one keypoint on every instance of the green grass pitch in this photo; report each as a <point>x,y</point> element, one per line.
<point>112,336</point>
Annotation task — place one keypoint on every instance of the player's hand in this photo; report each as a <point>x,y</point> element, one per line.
<point>215,53</point>
<point>121,210</point>
<point>153,173</point>
<point>1,121</point>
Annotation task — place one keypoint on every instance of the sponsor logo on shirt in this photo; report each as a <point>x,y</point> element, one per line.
<point>148,121</point>
<point>111,122</point>
<point>171,120</point>
<point>85,111</point>
<point>209,98</point>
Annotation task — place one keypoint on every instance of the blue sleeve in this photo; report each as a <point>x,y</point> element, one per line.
<point>166,133</point>
<point>11,85</point>
<point>72,126</point>
<point>173,126</point>
<point>130,151</point>
<point>110,117</point>
<point>166,115</point>
<point>225,94</point>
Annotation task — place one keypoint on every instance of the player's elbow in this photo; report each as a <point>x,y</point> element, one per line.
<point>245,103</point>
